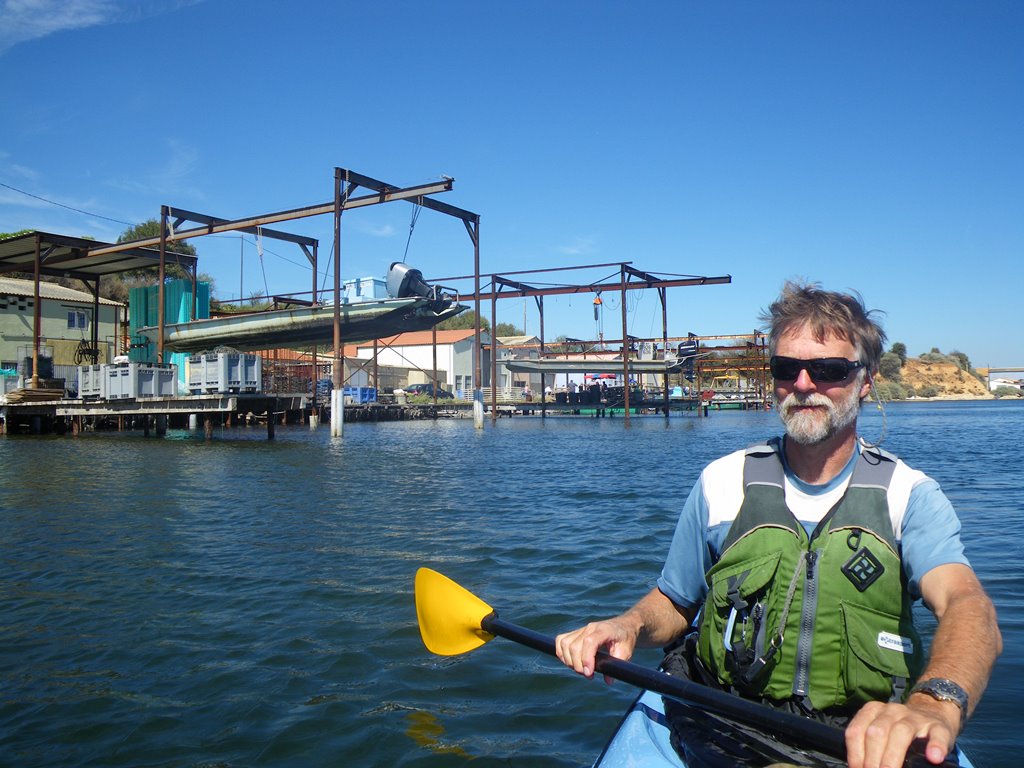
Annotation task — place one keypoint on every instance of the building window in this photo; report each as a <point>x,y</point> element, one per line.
<point>77,319</point>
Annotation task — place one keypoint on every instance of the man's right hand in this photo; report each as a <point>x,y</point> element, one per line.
<point>653,621</point>
<point>578,649</point>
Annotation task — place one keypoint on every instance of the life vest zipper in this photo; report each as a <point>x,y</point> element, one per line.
<point>805,641</point>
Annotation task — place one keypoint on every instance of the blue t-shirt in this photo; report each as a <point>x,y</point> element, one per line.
<point>923,519</point>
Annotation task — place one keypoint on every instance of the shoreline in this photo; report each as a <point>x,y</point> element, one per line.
<point>951,398</point>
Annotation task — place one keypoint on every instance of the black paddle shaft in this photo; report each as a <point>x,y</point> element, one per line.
<point>812,733</point>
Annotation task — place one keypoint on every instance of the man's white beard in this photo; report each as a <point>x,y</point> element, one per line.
<point>811,427</point>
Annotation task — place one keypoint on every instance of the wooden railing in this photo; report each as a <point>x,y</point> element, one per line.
<point>506,396</point>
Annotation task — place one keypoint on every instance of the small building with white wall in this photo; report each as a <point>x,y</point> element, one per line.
<point>518,348</point>
<point>994,384</point>
<point>415,351</point>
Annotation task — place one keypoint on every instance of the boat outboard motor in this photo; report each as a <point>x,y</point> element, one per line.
<point>406,282</point>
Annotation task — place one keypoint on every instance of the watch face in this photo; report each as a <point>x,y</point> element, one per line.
<point>946,689</point>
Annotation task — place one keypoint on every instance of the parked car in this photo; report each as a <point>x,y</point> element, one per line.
<point>428,390</point>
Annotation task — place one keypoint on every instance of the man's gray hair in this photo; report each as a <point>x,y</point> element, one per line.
<point>826,313</point>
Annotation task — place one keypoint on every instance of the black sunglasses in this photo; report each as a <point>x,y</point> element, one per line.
<point>822,370</point>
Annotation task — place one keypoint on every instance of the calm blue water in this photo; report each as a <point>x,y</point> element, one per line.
<point>237,602</point>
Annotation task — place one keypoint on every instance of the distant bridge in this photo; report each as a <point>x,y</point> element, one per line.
<point>986,372</point>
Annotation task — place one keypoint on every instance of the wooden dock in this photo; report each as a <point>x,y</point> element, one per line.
<point>151,413</point>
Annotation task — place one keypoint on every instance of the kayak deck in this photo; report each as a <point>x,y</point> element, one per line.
<point>642,739</point>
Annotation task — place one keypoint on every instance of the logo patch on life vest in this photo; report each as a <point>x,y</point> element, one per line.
<point>863,569</point>
<point>895,642</point>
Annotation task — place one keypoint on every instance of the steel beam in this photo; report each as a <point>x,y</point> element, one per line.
<point>615,264</point>
<point>434,205</point>
<point>594,287</point>
<point>645,276</point>
<point>274,218</point>
<point>180,215</point>
<point>512,284</point>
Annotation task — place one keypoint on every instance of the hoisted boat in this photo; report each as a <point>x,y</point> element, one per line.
<point>412,306</point>
<point>304,325</point>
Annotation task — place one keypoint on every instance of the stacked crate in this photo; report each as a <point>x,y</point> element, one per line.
<point>92,381</point>
<point>224,372</point>
<point>129,381</point>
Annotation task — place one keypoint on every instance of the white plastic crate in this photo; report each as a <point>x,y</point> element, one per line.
<point>92,381</point>
<point>139,380</point>
<point>224,372</point>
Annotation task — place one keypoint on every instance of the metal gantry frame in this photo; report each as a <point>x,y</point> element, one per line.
<point>750,358</point>
<point>630,278</point>
<point>346,182</point>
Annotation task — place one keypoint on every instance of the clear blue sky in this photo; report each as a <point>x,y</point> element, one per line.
<point>873,146</point>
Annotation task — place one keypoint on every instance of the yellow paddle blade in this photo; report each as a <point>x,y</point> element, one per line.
<point>449,616</point>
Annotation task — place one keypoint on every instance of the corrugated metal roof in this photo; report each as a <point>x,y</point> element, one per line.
<point>65,255</point>
<point>12,286</point>
<point>425,338</point>
<point>516,341</point>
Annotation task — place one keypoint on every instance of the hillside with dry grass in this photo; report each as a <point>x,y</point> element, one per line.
<point>942,380</point>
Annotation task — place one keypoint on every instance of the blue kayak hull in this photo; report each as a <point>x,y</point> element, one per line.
<point>642,739</point>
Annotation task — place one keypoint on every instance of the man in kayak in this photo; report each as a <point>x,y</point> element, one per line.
<point>802,557</point>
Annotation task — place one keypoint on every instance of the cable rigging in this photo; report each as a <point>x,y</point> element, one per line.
<point>412,225</point>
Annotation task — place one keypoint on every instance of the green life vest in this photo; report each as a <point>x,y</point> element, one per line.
<point>823,620</point>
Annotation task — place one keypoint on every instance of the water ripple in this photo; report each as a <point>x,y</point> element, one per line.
<point>242,602</point>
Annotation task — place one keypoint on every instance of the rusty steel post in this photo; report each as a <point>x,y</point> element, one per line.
<point>376,372</point>
<point>316,372</point>
<point>762,349</point>
<point>478,394</point>
<point>543,378</point>
<point>162,271</point>
<point>663,295</point>
<point>337,374</point>
<point>95,335</point>
<point>36,317</point>
<point>494,356</point>
<point>625,346</point>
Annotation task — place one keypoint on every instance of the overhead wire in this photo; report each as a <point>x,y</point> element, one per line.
<point>133,224</point>
<point>62,205</point>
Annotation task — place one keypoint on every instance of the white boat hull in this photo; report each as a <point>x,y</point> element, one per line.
<point>360,321</point>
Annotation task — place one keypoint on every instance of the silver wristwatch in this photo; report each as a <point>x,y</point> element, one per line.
<point>944,690</point>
